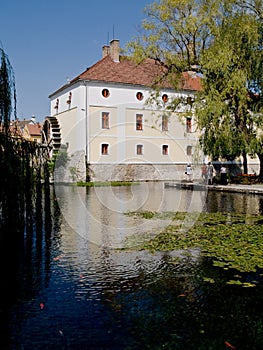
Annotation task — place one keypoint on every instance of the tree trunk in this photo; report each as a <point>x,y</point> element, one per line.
<point>245,170</point>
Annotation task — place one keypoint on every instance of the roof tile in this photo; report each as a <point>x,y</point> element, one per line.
<point>127,72</point>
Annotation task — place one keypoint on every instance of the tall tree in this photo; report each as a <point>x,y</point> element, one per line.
<point>175,33</point>
<point>22,166</point>
<point>230,114</point>
<point>7,91</point>
<point>222,40</point>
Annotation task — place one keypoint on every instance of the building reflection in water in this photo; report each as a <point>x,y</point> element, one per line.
<point>97,213</point>
<point>234,202</point>
<point>68,260</point>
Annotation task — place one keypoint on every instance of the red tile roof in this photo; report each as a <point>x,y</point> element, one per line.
<point>127,72</point>
<point>34,129</point>
<point>191,81</point>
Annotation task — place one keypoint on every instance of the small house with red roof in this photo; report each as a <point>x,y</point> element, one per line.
<point>109,124</point>
<point>28,129</point>
<point>32,132</point>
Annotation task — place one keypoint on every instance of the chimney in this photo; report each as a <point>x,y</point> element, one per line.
<point>105,51</point>
<point>115,50</point>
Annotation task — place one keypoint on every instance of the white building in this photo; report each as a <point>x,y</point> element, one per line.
<point>103,119</point>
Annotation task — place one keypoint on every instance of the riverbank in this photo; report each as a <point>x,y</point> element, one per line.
<point>196,186</point>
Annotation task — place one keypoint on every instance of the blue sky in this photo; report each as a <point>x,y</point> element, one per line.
<point>48,41</point>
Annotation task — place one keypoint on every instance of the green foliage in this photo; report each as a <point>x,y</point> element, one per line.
<point>230,113</point>
<point>177,33</point>
<point>22,172</point>
<point>22,165</point>
<point>222,40</point>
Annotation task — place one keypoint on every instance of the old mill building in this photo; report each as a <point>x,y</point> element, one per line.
<point>109,129</point>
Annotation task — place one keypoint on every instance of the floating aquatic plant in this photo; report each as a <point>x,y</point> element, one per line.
<point>231,241</point>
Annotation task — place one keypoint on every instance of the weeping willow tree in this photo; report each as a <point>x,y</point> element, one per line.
<point>23,165</point>
<point>222,41</point>
<point>231,114</point>
<point>7,92</point>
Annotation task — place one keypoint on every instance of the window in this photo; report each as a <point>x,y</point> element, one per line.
<point>57,103</point>
<point>165,150</point>
<point>104,149</point>
<point>139,96</point>
<point>139,150</point>
<point>105,120</point>
<point>189,100</point>
<point>165,98</point>
<point>69,98</point>
<point>164,123</point>
<point>139,121</point>
<point>105,93</point>
<point>189,150</point>
<point>188,124</point>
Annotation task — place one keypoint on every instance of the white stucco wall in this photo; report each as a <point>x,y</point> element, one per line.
<point>81,126</point>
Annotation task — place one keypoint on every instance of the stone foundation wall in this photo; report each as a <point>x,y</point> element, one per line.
<point>73,171</point>
<point>76,171</point>
<point>140,172</point>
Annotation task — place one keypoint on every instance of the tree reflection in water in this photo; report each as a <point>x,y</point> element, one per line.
<point>96,297</point>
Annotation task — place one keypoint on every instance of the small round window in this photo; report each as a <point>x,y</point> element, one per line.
<point>105,93</point>
<point>139,96</point>
<point>165,97</point>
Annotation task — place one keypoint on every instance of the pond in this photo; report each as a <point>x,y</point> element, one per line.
<point>69,286</point>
